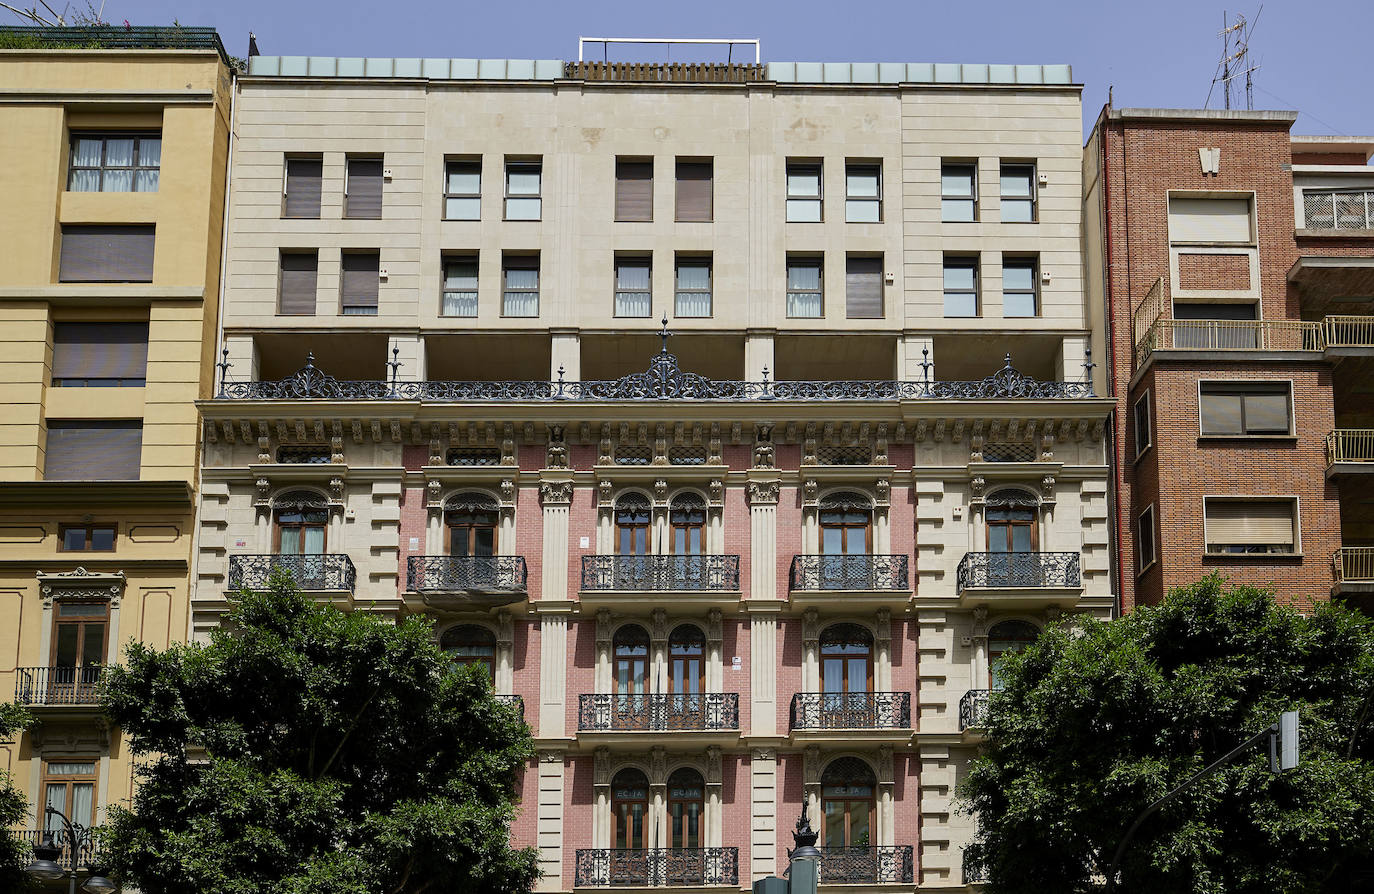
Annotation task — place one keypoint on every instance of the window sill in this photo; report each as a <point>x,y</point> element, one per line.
<point>1141,455</point>
<point>1249,557</point>
<point>1291,438</point>
<point>1146,570</point>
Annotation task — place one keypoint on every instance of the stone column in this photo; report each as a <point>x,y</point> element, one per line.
<point>811,652</point>
<point>553,674</point>
<point>763,670</point>
<point>556,490</point>
<point>549,825</point>
<point>763,842</point>
<point>887,813</point>
<point>763,533</point>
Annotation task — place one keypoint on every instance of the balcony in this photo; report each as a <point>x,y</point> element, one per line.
<point>1343,209</point>
<point>456,582</point>
<point>1353,567</point>
<point>661,574</point>
<point>1350,451</point>
<point>819,714</point>
<point>65,686</point>
<point>657,867</point>
<point>1347,335</point>
<point>1019,579</point>
<point>858,865</point>
<point>323,572</point>
<point>849,573</point>
<point>1228,336</point>
<point>86,849</point>
<point>708,712</point>
<point>973,710</point>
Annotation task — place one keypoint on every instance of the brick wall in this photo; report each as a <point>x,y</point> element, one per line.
<point>1200,271</point>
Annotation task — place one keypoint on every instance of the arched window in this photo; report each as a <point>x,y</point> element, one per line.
<point>846,659</point>
<point>1006,638</point>
<point>848,789</point>
<point>631,660</point>
<point>301,517</point>
<point>471,521</point>
<point>687,519</point>
<point>686,803</point>
<point>629,809</point>
<point>632,525</point>
<point>1011,522</point>
<point>686,657</point>
<point>845,521</point>
<point>470,644</point>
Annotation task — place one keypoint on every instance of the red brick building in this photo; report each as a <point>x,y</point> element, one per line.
<point>1235,262</point>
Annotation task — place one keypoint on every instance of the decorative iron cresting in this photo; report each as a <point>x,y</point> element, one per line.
<point>1019,569</point>
<point>851,710</point>
<point>891,864</point>
<point>664,380</point>
<point>656,573</point>
<point>657,867</point>
<point>660,711</point>
<point>476,574</point>
<point>853,572</point>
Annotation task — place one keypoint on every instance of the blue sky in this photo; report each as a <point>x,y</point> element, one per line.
<point>1313,55</point>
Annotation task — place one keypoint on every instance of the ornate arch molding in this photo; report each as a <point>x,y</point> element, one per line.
<point>81,584</point>
<point>1015,496</point>
<point>300,498</point>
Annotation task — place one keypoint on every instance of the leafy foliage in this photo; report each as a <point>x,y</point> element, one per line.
<point>307,750</point>
<point>1096,723</point>
<point>14,853</point>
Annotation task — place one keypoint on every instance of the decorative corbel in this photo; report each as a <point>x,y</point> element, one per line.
<point>605,493</point>
<point>436,452</point>
<point>555,492</point>
<point>601,766</point>
<point>264,451</point>
<point>603,627</point>
<point>1047,487</point>
<point>658,766</point>
<point>605,455</point>
<point>762,493</point>
<point>508,444</point>
<point>505,629</point>
<point>658,624</point>
<point>810,492</point>
<point>811,626</point>
<point>434,491</point>
<point>882,632</point>
<point>557,449</point>
<point>262,491</point>
<point>336,489</point>
<point>660,492</point>
<point>882,491</point>
<point>714,625</point>
<point>977,485</point>
<point>660,446</point>
<point>880,446</point>
<point>716,493</point>
<point>1047,445</point>
<point>713,765</point>
<point>763,448</point>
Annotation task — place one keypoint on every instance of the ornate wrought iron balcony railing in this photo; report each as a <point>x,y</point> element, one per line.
<point>664,380</point>
<point>58,685</point>
<point>892,864</point>
<point>849,572</point>
<point>514,701</point>
<point>86,849</point>
<point>657,867</point>
<point>482,574</point>
<point>654,573</point>
<point>851,710</point>
<point>659,711</point>
<point>973,709</point>
<point>1019,569</point>
<point>322,571</point>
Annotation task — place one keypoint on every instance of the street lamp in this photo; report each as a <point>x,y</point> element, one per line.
<point>47,853</point>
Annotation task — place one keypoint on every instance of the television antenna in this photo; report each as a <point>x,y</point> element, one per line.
<point>1235,58</point>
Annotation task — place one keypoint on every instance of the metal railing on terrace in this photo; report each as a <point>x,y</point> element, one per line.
<point>111,37</point>
<point>661,573</point>
<point>1347,332</point>
<point>693,72</point>
<point>852,572</point>
<point>664,380</point>
<point>605,867</point>
<point>851,710</point>
<point>321,571</point>
<point>658,711</point>
<point>1229,335</point>
<point>87,848</point>
<point>485,574</point>
<point>1338,209</point>
<point>1354,563</point>
<point>61,685</point>
<point>872,865</point>
<point>1350,445</point>
<point>1019,570</point>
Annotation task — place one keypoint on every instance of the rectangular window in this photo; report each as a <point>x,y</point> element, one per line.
<point>634,189</point>
<point>69,787</point>
<point>463,190</point>
<point>633,293</point>
<point>1211,221</point>
<point>1145,539</point>
<point>803,192</point>
<point>99,355</point>
<point>301,187</point>
<point>363,189</point>
<point>297,283</point>
<point>863,186</point>
<point>1250,526</point>
<point>863,288</point>
<point>693,293</point>
<point>1018,193</point>
<point>1020,297</point>
<point>523,185</point>
<point>106,253</point>
<point>460,287</point>
<point>961,287</point>
<point>359,283</point>
<point>115,163</point>
<point>1142,424</point>
<point>805,295</point>
<point>93,450</point>
<point>1236,409</point>
<point>694,190</point>
<point>520,286</point>
<point>958,192</point>
<point>86,538</point>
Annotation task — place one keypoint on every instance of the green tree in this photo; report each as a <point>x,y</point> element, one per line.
<point>14,853</point>
<point>307,750</point>
<point>1097,720</point>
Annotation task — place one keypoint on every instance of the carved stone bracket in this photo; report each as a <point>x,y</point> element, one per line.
<point>434,493</point>
<point>882,492</point>
<point>811,765</point>
<point>262,491</point>
<point>601,766</point>
<point>886,774</point>
<point>714,630</point>
<point>658,625</point>
<point>505,629</point>
<point>81,584</point>
<point>762,493</point>
<point>603,627</point>
<point>660,492</point>
<point>713,765</point>
<point>557,449</point>
<point>811,626</point>
<point>716,492</point>
<point>336,489</point>
<point>810,492</point>
<point>556,493</point>
<point>1047,488</point>
<point>883,628</point>
<point>605,493</point>
<point>763,447</point>
<point>977,486</point>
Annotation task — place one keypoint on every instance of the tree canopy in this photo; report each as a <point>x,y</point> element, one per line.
<point>1097,720</point>
<point>306,750</point>
<point>15,854</point>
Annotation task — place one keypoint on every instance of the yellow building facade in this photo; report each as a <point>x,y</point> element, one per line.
<point>112,171</point>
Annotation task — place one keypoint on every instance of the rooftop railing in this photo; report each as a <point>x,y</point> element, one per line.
<point>689,72</point>
<point>111,37</point>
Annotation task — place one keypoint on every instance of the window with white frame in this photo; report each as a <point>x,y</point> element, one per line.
<point>460,286</point>
<point>961,287</point>
<point>692,296</point>
<point>633,292</point>
<point>1020,296</point>
<point>805,294</point>
<point>463,189</point>
<point>1239,409</point>
<point>520,286</point>
<point>1246,526</point>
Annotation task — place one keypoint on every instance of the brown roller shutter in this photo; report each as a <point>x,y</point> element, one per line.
<point>364,198</point>
<point>299,272</point>
<point>694,190</point>
<point>303,176</point>
<point>106,254</point>
<point>360,282</point>
<point>863,288</point>
<point>99,353</point>
<point>1251,523</point>
<point>634,190</point>
<point>88,450</point>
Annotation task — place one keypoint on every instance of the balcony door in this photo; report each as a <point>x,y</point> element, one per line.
<point>629,810</point>
<point>1012,542</point>
<point>848,789</point>
<point>686,805</point>
<point>631,666</point>
<point>846,677</point>
<point>471,521</point>
<point>78,651</point>
<point>1006,638</point>
<point>686,670</point>
<point>846,520</point>
<point>69,786</point>
<point>469,645</point>
<point>632,520</point>
<point>302,520</point>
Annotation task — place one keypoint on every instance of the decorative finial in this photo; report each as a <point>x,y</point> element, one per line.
<point>560,373</point>
<point>309,359</point>
<point>663,334</point>
<point>805,839</point>
<point>1007,358</point>
<point>926,364</point>
<point>765,375</point>
<point>224,370</point>
<point>1088,365</point>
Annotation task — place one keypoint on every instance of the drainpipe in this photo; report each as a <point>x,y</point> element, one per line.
<point>1119,531</point>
